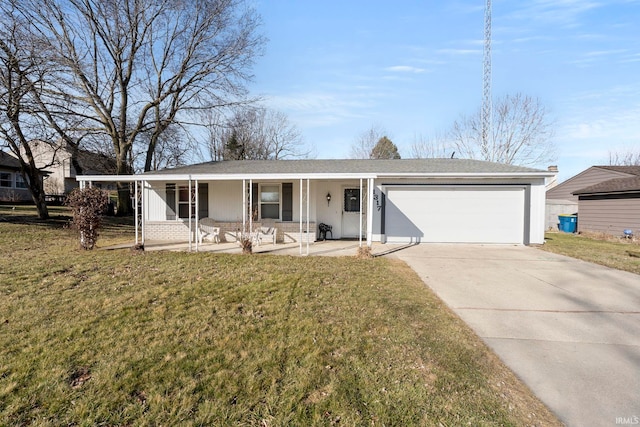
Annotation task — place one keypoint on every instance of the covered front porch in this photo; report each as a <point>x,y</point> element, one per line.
<point>172,209</point>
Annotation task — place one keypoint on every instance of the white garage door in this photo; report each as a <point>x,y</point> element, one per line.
<point>456,214</point>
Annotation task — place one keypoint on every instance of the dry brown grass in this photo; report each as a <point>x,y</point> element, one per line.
<point>601,249</point>
<point>171,338</point>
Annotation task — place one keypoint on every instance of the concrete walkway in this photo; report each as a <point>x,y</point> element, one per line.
<point>569,329</point>
<point>319,248</point>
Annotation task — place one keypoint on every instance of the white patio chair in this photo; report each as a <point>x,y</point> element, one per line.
<point>265,233</point>
<point>208,230</point>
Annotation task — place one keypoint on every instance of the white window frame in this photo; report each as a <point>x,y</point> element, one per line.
<point>9,180</point>
<point>180,203</point>
<point>20,182</point>
<point>279,202</point>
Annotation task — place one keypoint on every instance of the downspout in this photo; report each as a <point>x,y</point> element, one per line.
<point>250,208</point>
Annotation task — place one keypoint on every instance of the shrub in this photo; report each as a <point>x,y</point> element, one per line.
<point>364,252</point>
<point>246,244</point>
<point>88,205</point>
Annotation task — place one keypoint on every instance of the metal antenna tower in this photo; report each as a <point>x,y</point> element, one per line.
<point>486,78</point>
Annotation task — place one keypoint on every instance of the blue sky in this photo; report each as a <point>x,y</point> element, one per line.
<point>337,68</point>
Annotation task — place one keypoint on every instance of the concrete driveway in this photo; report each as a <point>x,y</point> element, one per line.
<point>569,329</point>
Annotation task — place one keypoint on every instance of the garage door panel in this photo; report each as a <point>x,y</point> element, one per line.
<point>455,214</point>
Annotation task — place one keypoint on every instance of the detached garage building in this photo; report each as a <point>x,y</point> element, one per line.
<point>610,207</point>
<point>395,201</point>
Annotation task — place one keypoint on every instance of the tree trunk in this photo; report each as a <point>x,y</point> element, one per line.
<point>41,206</point>
<point>124,193</point>
<point>36,189</point>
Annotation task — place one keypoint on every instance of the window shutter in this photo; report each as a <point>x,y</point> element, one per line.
<point>287,201</point>
<point>203,200</point>
<point>171,201</point>
<point>255,201</point>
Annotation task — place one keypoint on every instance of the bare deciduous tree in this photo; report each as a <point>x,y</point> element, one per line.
<point>171,149</point>
<point>32,109</point>
<point>139,66</point>
<point>214,123</point>
<point>437,147</point>
<point>284,140</point>
<point>254,134</point>
<point>521,133</point>
<point>627,157</point>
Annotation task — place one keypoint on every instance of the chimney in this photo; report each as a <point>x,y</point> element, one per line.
<point>552,181</point>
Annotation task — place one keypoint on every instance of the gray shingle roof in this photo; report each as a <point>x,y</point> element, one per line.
<point>347,166</point>
<point>7,161</point>
<point>616,185</point>
<point>631,170</point>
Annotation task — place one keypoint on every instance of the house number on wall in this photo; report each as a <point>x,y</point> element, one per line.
<point>376,199</point>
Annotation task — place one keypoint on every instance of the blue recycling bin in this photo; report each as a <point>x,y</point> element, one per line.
<point>568,223</point>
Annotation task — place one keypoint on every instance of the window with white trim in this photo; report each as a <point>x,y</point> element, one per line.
<point>20,182</point>
<point>270,201</point>
<point>6,180</point>
<point>178,200</point>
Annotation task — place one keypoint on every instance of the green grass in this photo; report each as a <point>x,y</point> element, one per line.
<point>615,253</point>
<point>123,338</point>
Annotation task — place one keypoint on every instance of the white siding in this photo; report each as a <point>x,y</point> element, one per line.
<point>225,200</point>
<point>156,208</point>
<point>535,213</point>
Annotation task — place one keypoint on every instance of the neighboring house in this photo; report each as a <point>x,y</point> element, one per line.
<point>56,158</point>
<point>12,185</point>
<point>562,200</point>
<point>612,206</point>
<point>404,201</point>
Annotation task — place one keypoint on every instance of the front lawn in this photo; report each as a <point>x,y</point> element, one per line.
<point>615,253</point>
<point>166,338</point>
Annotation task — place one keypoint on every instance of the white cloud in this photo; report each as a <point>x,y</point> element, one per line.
<point>318,109</point>
<point>405,69</point>
<point>460,51</point>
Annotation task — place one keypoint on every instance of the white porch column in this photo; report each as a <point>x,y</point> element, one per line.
<point>308,188</point>
<point>360,221</point>
<point>370,211</point>
<point>136,225</point>
<point>300,239</point>
<point>190,229</point>
<point>250,207</point>
<point>145,188</point>
<point>244,206</point>
<point>197,233</point>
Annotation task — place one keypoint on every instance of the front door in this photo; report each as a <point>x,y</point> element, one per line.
<point>351,213</point>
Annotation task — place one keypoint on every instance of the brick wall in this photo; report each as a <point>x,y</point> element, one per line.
<point>167,230</point>
<point>288,232</point>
